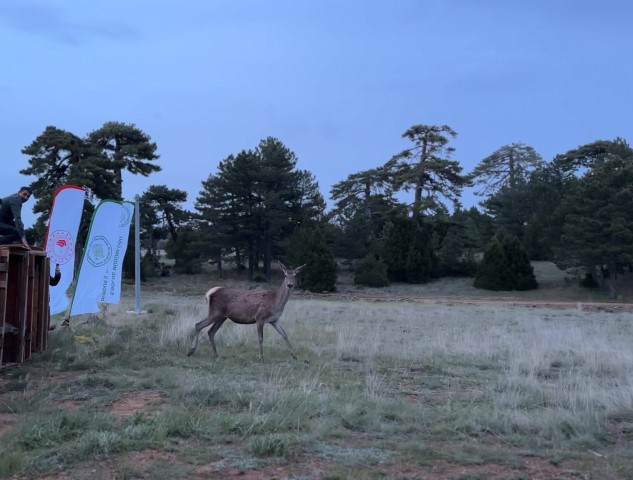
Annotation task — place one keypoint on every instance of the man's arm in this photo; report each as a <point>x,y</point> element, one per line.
<point>16,209</point>
<point>58,275</point>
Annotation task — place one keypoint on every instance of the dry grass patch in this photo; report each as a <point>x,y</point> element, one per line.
<point>145,402</point>
<point>388,389</point>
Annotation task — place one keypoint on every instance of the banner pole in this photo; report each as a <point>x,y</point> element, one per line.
<point>137,254</point>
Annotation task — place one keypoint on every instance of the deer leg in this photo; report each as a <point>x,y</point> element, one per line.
<point>282,332</point>
<point>196,332</point>
<point>212,331</point>
<point>260,335</point>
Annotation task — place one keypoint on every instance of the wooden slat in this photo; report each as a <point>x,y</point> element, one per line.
<point>24,302</point>
<point>29,307</point>
<point>22,314</point>
<point>40,302</point>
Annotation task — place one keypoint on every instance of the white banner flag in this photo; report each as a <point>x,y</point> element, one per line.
<point>61,237</point>
<point>99,278</point>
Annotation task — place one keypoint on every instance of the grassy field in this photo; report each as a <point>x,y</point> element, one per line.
<point>406,389</point>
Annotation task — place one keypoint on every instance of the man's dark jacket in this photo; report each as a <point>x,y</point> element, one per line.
<point>11,212</point>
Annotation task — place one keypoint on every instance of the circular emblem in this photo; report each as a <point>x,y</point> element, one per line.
<point>99,251</point>
<point>60,247</point>
<point>126,215</point>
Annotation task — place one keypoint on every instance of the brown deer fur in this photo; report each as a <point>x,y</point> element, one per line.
<point>247,307</point>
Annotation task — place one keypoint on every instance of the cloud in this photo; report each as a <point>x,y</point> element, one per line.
<point>53,22</point>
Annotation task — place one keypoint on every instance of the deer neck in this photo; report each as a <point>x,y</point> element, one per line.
<point>282,296</point>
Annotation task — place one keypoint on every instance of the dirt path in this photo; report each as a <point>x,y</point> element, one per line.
<point>553,292</point>
<point>456,300</point>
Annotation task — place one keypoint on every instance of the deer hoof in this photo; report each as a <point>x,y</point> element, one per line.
<point>191,352</point>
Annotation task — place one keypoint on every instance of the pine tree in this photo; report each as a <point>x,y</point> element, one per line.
<point>505,266</point>
<point>127,148</point>
<point>419,263</point>
<point>307,246</point>
<point>427,169</point>
<point>467,233</point>
<point>394,242</point>
<point>598,223</point>
<point>186,251</point>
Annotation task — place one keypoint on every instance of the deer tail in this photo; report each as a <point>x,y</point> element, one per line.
<point>211,292</point>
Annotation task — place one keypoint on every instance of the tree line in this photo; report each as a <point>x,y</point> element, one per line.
<point>574,210</point>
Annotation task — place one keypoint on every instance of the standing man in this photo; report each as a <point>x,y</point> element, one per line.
<point>11,226</point>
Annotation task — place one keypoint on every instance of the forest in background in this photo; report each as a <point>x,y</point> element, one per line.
<point>257,205</point>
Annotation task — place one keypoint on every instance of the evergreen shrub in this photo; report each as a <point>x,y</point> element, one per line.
<point>505,266</point>
<point>371,272</point>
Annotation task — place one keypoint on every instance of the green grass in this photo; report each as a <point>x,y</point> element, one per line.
<point>376,386</point>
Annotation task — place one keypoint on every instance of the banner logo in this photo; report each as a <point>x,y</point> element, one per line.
<point>99,251</point>
<point>61,247</point>
<point>126,216</point>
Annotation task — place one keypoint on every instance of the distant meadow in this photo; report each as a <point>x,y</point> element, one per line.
<point>459,389</point>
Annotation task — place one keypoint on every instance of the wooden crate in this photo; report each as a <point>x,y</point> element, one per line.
<point>24,303</point>
<point>38,311</point>
<point>4,282</point>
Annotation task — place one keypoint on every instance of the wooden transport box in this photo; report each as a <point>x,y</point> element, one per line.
<point>24,303</point>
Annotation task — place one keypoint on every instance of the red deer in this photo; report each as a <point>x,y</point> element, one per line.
<point>246,307</point>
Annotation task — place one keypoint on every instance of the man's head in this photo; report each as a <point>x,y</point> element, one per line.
<point>25,193</point>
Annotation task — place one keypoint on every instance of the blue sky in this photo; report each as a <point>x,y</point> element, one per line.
<point>337,81</point>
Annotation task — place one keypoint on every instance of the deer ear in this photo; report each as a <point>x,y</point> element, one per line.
<point>298,269</point>
<point>283,267</point>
